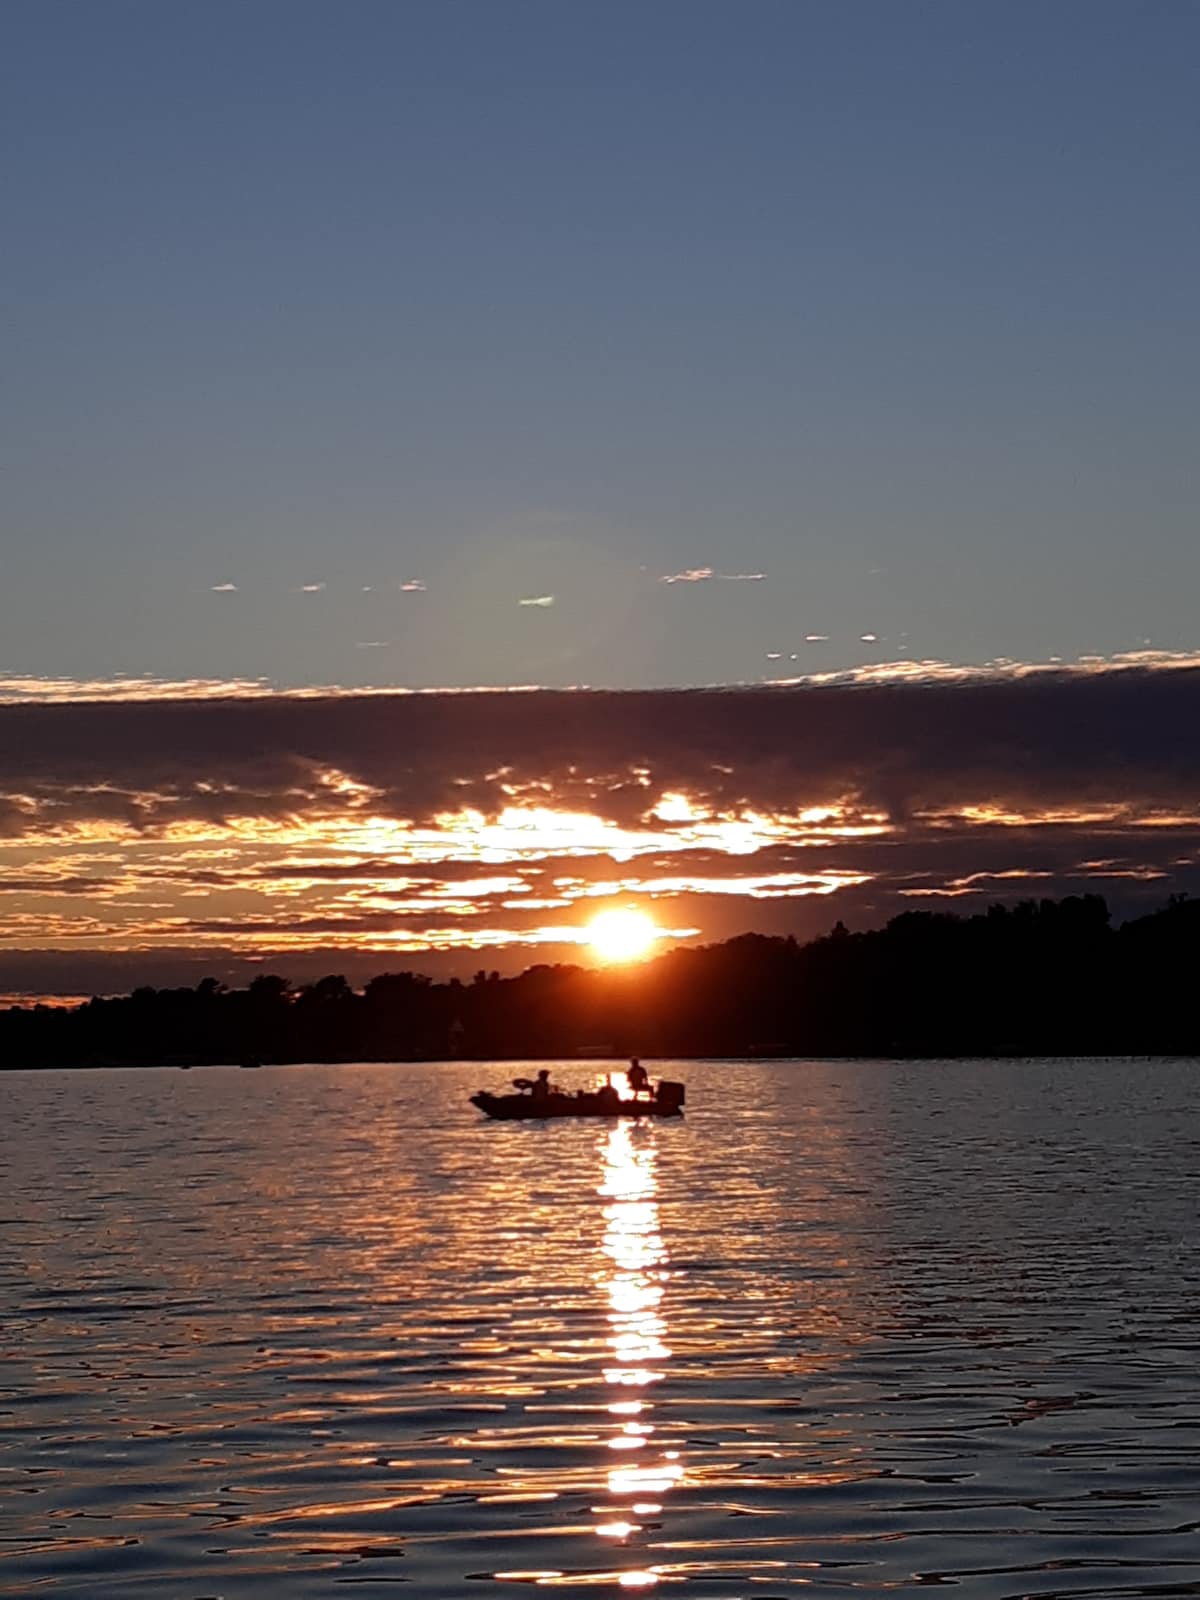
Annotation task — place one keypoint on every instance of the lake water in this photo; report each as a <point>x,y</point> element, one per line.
<point>849,1327</point>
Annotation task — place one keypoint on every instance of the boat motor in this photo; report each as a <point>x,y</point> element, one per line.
<point>670,1095</point>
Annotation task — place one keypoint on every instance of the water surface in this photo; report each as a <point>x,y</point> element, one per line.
<point>849,1327</point>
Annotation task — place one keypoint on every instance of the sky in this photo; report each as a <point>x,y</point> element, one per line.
<point>407,346</point>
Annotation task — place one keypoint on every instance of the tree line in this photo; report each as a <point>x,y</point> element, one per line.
<point>1041,977</point>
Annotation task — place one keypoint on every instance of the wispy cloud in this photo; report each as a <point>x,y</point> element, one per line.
<point>540,600</point>
<point>707,574</point>
<point>224,588</point>
<point>310,588</point>
<point>413,586</point>
<point>689,575</point>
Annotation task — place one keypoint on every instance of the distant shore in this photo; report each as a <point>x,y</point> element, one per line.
<point>567,1063</point>
<point>1042,978</point>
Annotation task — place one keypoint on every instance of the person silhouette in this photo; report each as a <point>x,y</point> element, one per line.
<point>638,1079</point>
<point>541,1085</point>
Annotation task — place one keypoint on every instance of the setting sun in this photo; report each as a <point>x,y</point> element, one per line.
<point>622,935</point>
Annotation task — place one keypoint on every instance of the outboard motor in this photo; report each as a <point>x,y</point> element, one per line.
<point>670,1096</point>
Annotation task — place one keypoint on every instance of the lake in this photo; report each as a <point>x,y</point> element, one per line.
<point>848,1327</point>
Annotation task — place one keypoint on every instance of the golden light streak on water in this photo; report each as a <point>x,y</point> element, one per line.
<point>633,1279</point>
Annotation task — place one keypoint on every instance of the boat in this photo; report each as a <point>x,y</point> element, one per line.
<point>540,1101</point>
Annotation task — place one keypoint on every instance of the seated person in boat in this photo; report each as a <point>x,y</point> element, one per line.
<point>639,1081</point>
<point>542,1087</point>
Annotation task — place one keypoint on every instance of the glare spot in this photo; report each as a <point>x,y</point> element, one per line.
<point>674,808</point>
<point>620,935</point>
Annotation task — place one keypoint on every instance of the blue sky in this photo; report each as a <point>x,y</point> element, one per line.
<point>892,304</point>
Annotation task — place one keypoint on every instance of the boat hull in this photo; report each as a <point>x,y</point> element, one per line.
<point>527,1108</point>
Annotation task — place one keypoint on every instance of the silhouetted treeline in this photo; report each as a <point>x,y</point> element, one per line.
<point>1041,977</point>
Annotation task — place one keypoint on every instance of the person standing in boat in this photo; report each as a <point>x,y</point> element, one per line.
<point>541,1085</point>
<point>639,1081</point>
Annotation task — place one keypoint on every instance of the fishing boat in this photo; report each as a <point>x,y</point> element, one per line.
<point>537,1099</point>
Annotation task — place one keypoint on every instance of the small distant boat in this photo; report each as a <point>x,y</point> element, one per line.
<point>540,1102</point>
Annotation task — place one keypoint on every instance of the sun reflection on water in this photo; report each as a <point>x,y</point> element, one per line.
<point>633,1277</point>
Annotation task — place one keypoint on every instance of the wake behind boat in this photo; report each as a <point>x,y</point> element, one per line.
<point>537,1098</point>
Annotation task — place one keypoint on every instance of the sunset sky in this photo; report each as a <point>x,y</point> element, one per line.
<point>822,375</point>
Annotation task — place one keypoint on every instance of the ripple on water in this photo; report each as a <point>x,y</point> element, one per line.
<point>885,1326</point>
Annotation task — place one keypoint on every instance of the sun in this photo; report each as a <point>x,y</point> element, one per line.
<point>622,935</point>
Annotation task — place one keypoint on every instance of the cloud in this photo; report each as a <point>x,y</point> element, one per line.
<point>542,600</point>
<point>224,588</point>
<point>19,689</point>
<point>310,588</point>
<point>916,733</point>
<point>689,575</point>
<point>413,586</point>
<point>42,882</point>
<point>237,820</point>
<point>706,574</point>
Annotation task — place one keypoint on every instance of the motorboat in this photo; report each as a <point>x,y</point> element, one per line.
<point>538,1100</point>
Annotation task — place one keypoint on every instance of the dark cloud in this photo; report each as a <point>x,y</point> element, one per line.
<point>65,883</point>
<point>905,747</point>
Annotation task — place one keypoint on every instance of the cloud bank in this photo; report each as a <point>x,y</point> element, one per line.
<point>237,822</point>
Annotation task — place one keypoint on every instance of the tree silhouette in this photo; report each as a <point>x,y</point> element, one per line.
<point>1037,977</point>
